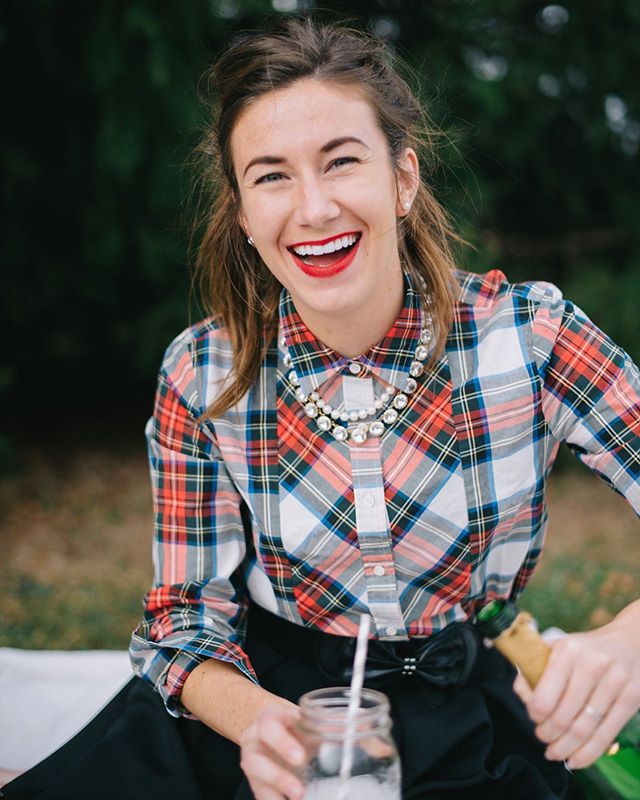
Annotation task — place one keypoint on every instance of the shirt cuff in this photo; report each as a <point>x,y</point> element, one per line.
<point>170,668</point>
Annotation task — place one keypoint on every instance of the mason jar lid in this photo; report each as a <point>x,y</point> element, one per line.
<point>324,712</point>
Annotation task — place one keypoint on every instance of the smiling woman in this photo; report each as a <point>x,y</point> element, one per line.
<point>344,135</point>
<point>333,191</point>
<point>356,429</point>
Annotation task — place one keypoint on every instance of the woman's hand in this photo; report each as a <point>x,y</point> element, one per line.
<point>589,690</point>
<point>270,752</point>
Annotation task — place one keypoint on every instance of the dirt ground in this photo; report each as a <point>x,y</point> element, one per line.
<point>76,536</point>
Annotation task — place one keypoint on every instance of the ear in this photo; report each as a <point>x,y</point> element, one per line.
<point>407,180</point>
<point>242,219</point>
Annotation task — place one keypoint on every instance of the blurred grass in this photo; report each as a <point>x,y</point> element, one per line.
<point>84,616</point>
<point>76,540</point>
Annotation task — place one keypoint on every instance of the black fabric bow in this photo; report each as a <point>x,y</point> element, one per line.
<point>442,660</point>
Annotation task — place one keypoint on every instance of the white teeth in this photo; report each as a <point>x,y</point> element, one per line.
<point>322,249</point>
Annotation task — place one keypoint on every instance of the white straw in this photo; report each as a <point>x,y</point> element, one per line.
<point>357,679</point>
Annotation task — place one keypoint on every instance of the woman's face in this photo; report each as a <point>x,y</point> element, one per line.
<point>320,198</point>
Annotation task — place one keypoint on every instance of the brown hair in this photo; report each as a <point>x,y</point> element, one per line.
<point>236,287</point>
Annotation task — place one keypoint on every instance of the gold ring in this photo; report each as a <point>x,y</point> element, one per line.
<point>591,711</point>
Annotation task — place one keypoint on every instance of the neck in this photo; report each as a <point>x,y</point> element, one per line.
<point>352,335</point>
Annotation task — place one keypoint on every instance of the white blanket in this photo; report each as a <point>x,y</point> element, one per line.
<point>47,696</point>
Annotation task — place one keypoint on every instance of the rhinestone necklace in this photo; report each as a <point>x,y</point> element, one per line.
<point>357,425</point>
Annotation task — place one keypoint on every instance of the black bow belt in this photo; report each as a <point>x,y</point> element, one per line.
<point>445,659</point>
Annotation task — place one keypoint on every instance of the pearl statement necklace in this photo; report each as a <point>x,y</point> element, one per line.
<point>385,407</point>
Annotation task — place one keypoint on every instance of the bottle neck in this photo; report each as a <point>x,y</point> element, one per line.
<point>496,617</point>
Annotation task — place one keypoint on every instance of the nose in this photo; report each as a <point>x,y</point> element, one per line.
<point>315,205</point>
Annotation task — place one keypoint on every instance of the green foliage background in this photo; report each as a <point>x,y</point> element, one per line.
<point>539,164</point>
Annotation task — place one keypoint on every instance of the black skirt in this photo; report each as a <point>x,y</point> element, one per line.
<point>468,741</point>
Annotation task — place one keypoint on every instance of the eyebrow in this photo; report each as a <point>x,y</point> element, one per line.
<point>326,148</point>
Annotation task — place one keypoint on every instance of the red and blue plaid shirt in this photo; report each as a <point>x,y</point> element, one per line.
<point>444,511</point>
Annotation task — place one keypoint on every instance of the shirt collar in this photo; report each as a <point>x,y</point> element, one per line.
<point>389,360</point>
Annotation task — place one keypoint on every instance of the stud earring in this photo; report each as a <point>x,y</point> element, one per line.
<point>251,242</point>
<point>406,205</point>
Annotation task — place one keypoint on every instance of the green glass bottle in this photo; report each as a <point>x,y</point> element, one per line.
<point>615,775</point>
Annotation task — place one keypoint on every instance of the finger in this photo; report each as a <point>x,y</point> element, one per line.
<point>582,729</point>
<point>268,775</point>
<point>570,709</point>
<point>600,741</point>
<point>612,703</point>
<point>262,792</point>
<point>276,736</point>
<point>521,688</point>
<point>597,717</point>
<point>375,747</point>
<point>546,696</point>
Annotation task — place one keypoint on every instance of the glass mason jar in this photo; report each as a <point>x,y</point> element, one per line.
<point>375,767</point>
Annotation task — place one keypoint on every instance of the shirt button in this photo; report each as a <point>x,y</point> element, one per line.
<point>378,570</point>
<point>355,368</point>
<point>369,500</point>
<point>391,631</point>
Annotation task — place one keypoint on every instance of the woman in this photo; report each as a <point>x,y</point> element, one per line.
<point>357,428</point>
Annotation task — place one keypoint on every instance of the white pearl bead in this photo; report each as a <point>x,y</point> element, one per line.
<point>371,411</point>
<point>344,417</point>
<point>353,416</point>
<point>362,413</point>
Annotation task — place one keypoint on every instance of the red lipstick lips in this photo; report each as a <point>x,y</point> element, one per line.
<point>333,269</point>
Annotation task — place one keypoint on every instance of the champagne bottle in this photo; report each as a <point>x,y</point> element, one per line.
<point>616,774</point>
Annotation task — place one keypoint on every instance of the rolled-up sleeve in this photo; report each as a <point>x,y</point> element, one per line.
<point>196,607</point>
<point>591,395</point>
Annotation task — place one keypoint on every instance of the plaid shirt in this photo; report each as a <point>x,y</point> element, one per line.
<point>444,511</point>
